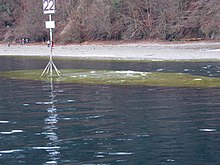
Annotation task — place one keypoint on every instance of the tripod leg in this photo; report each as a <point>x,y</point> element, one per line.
<point>45,70</point>
<point>57,71</point>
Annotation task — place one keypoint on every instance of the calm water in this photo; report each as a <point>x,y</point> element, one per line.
<point>68,124</point>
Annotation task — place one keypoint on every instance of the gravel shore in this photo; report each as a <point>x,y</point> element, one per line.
<point>126,51</point>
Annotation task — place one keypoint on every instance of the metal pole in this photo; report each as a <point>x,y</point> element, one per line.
<point>51,47</point>
<point>51,35</point>
<point>51,65</point>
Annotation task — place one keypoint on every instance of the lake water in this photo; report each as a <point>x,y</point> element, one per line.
<point>70,124</point>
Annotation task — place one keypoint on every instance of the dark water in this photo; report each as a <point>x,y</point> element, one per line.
<point>68,124</point>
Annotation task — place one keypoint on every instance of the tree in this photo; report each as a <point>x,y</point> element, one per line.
<point>83,20</point>
<point>32,23</point>
<point>10,12</point>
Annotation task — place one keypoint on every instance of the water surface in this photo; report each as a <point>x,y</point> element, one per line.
<point>44,123</point>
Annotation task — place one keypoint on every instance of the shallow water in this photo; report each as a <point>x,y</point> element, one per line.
<point>44,123</point>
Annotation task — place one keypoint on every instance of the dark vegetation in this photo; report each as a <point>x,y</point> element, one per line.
<point>92,20</point>
<point>109,77</point>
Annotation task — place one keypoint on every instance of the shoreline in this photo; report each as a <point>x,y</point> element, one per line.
<point>142,50</point>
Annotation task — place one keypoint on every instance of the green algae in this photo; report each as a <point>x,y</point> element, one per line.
<point>110,77</point>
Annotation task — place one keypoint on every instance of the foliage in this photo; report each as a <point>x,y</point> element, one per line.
<point>83,20</point>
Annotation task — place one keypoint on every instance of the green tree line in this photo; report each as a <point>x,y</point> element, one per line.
<point>92,20</point>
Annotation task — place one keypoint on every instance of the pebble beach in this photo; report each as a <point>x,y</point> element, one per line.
<point>121,51</point>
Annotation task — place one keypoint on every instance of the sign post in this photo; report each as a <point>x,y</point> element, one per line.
<point>49,8</point>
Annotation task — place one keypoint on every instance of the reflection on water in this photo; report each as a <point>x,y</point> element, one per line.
<point>50,129</point>
<point>67,124</point>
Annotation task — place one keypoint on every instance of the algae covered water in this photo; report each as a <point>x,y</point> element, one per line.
<point>57,123</point>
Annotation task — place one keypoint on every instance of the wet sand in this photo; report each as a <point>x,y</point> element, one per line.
<point>122,51</point>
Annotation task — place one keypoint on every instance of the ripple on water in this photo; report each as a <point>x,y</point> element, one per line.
<point>93,117</point>
<point>140,135</point>
<point>4,122</point>
<point>113,154</point>
<point>207,130</point>
<point>103,154</point>
<point>71,101</point>
<point>100,156</point>
<point>125,139</point>
<point>52,162</point>
<point>12,132</point>
<point>10,151</point>
<point>46,148</point>
<point>44,103</point>
<point>170,160</point>
<point>120,153</point>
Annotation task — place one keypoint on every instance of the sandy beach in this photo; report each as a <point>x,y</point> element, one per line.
<point>123,51</point>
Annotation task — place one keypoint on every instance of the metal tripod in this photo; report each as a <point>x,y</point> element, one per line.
<point>49,69</point>
<point>50,66</point>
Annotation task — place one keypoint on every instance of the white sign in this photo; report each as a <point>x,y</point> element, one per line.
<point>50,24</point>
<point>49,6</point>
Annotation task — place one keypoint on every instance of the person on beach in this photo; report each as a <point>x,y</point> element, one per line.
<point>48,43</point>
